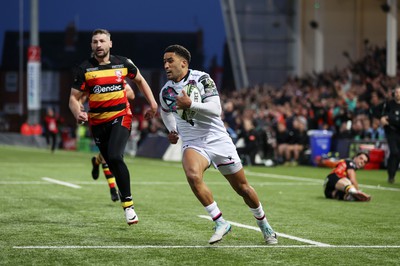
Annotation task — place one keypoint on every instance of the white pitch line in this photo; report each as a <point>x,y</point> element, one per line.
<point>288,177</point>
<point>308,183</point>
<point>200,247</point>
<point>156,183</point>
<point>55,181</point>
<point>279,234</point>
<point>379,187</point>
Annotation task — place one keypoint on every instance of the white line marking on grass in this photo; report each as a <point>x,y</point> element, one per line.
<point>308,183</point>
<point>156,183</point>
<point>379,187</point>
<point>279,234</point>
<point>51,180</point>
<point>288,177</point>
<point>195,247</point>
<point>225,182</point>
<point>313,180</point>
<point>23,183</point>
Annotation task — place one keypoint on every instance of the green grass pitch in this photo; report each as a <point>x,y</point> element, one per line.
<point>53,213</point>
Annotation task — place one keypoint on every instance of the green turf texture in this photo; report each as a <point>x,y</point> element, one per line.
<point>43,223</point>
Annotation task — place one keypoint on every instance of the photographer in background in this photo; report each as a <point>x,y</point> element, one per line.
<point>390,119</point>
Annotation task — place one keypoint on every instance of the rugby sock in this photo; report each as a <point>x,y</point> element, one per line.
<point>262,221</point>
<point>214,212</point>
<point>350,189</point>
<point>126,202</point>
<point>109,176</point>
<point>258,212</point>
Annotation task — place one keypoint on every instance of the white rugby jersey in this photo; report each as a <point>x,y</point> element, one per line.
<point>203,125</point>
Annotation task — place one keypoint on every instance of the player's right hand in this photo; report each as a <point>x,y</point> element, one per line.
<point>82,117</point>
<point>173,137</point>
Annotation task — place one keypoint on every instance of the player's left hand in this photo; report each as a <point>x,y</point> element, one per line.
<point>150,113</point>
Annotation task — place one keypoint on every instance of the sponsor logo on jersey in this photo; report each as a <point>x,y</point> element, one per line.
<point>118,73</point>
<point>103,89</point>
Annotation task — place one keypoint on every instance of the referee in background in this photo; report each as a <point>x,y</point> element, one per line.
<point>390,119</point>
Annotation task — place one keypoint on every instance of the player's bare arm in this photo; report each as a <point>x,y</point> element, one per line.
<point>170,124</point>
<point>130,94</point>
<point>144,87</point>
<point>351,173</point>
<point>75,106</point>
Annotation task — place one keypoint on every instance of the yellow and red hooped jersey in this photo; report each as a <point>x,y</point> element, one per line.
<point>105,85</point>
<point>342,166</point>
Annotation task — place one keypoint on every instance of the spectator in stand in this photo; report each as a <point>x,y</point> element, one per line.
<point>344,131</point>
<point>282,142</point>
<point>362,108</point>
<point>357,129</point>
<point>301,140</point>
<point>229,115</point>
<point>375,103</point>
<point>251,142</point>
<point>376,132</point>
<point>51,129</point>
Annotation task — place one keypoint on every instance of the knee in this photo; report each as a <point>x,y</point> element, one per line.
<point>244,190</point>
<point>114,159</point>
<point>193,177</point>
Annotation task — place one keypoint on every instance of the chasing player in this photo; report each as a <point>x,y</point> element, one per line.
<point>109,115</point>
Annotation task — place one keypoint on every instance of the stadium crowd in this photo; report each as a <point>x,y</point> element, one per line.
<point>273,122</point>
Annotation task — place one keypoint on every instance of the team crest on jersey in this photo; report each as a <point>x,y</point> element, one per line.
<point>192,82</point>
<point>169,97</point>
<point>118,74</point>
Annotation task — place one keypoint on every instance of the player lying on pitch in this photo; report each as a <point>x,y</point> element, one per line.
<point>342,183</point>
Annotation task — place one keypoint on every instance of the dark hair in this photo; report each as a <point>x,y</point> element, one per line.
<point>363,152</point>
<point>179,50</point>
<point>101,31</point>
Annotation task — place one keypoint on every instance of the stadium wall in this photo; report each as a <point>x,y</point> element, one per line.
<point>345,26</point>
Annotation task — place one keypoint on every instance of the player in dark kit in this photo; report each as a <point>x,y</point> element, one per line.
<point>102,77</point>
<point>342,183</point>
<point>390,119</point>
<point>99,160</point>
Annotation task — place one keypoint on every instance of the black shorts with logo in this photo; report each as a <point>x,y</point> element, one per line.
<point>329,187</point>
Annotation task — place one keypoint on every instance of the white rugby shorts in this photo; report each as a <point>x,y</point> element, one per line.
<point>220,153</point>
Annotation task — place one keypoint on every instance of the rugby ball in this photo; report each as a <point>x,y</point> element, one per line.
<point>194,93</point>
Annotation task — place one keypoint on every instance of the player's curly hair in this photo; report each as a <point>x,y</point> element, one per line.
<point>179,50</point>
